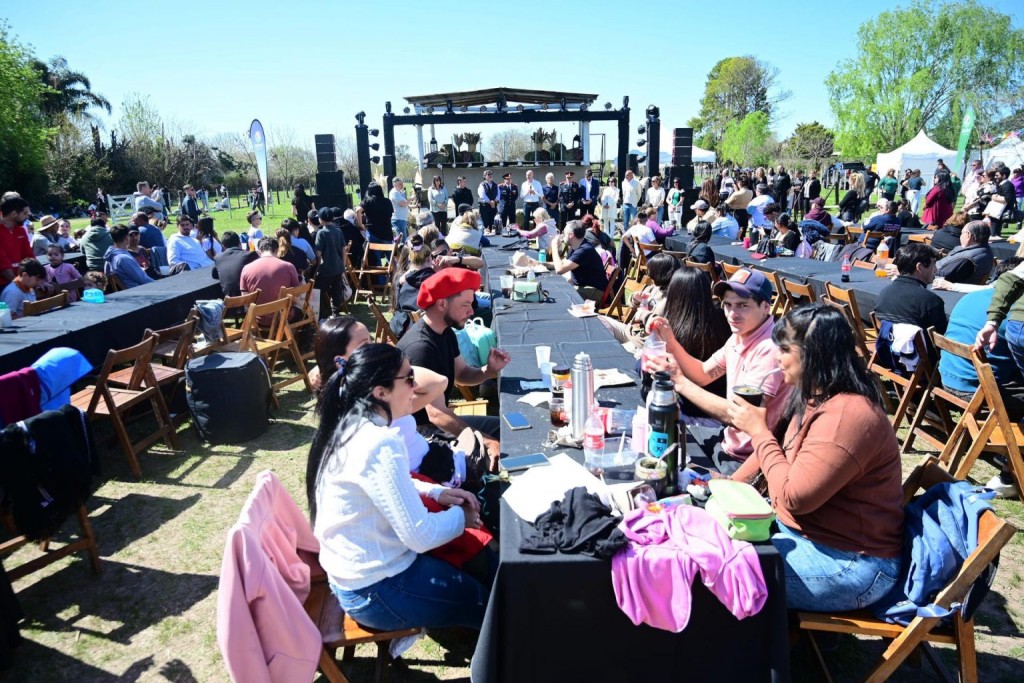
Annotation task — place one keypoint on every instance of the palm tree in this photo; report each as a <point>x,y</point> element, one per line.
<point>70,95</point>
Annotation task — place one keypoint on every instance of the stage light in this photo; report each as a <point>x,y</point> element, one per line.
<point>360,116</point>
<point>375,146</point>
<point>544,107</point>
<point>642,159</point>
<point>652,111</point>
<point>430,110</point>
<point>607,105</point>
<point>375,160</point>
<point>463,109</point>
<point>641,129</point>
<point>562,104</point>
<point>374,132</point>
<point>448,106</point>
<point>641,142</point>
<point>519,108</point>
<point>405,110</point>
<point>483,108</point>
<point>584,106</point>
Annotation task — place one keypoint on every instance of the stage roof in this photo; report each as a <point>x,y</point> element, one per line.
<point>472,98</point>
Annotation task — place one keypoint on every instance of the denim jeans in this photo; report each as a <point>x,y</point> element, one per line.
<point>429,594</point>
<point>400,227</point>
<point>628,214</point>
<point>824,579</point>
<point>661,214</point>
<point>1015,340</point>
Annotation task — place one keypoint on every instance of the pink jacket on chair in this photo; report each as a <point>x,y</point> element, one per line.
<point>263,630</point>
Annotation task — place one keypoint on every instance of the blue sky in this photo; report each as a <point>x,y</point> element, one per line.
<point>308,67</point>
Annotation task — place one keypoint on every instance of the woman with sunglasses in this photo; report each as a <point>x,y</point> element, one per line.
<point>366,510</point>
<point>832,466</point>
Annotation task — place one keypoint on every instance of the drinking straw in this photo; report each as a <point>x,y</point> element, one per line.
<point>765,378</point>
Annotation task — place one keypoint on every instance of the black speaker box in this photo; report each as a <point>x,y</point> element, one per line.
<point>330,189</point>
<point>682,147</point>
<point>690,194</point>
<point>683,172</point>
<point>326,156</point>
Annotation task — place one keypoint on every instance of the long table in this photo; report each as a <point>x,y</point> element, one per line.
<point>554,617</point>
<point>864,283</point>
<point>117,323</point>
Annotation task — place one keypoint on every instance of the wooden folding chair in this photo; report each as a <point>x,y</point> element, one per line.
<point>799,293</point>
<point>114,284</point>
<point>678,255</point>
<point>922,237</point>
<point>908,390</point>
<point>846,303</point>
<point>993,534</point>
<point>339,631</point>
<point>706,267</point>
<point>469,404</point>
<point>849,298</point>
<point>780,304</point>
<point>933,419</point>
<point>86,542</point>
<point>609,289</point>
<point>382,334</point>
<point>729,268</point>
<point>236,304</point>
<point>984,425</point>
<point>269,339</point>
<point>43,305</point>
<point>367,275</point>
<point>300,295</point>
<point>101,400</point>
<point>838,238</point>
<point>174,345</point>
<point>855,234</point>
<point>638,266</point>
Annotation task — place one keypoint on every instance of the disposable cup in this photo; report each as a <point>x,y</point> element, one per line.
<point>543,355</point>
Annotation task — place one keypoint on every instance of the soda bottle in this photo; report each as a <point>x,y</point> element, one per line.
<point>593,438</point>
<point>846,268</point>
<point>883,252</point>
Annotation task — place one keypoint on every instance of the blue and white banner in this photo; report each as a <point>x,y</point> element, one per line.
<point>259,148</point>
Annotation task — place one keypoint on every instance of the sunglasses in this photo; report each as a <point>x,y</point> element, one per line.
<point>410,379</point>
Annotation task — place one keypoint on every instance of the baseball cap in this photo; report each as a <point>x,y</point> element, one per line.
<point>325,214</point>
<point>747,283</point>
<point>699,205</point>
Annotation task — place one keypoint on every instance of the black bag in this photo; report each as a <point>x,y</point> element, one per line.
<point>766,247</point>
<point>228,396</point>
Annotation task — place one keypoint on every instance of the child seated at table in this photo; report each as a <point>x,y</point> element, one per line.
<point>94,279</point>
<point>62,276</point>
<point>22,288</point>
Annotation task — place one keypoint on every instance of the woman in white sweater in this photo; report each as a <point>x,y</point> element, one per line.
<point>366,509</point>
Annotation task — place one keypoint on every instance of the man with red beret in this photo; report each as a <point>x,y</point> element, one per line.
<point>446,299</point>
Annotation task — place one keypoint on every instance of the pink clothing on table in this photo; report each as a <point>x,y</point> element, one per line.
<point>652,577</point>
<point>749,362</point>
<point>63,274</point>
<point>263,630</point>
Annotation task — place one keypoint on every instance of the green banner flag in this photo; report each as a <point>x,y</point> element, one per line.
<point>965,135</point>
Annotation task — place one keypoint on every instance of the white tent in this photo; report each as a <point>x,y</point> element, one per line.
<point>922,152</point>
<point>1010,151</point>
<point>702,156</point>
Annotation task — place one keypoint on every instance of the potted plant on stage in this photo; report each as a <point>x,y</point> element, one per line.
<point>472,140</point>
<point>539,137</point>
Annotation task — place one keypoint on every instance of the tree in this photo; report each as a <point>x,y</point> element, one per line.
<point>23,129</point>
<point>289,163</point>
<point>736,86</point>
<point>749,141</point>
<point>69,93</point>
<point>510,144</point>
<point>918,68</point>
<point>810,143</point>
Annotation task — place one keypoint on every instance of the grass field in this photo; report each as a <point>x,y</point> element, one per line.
<point>151,614</point>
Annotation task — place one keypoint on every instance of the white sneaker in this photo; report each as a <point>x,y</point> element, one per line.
<point>1002,489</point>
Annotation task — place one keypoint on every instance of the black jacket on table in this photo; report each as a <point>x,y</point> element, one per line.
<point>971,265</point>
<point>908,300</point>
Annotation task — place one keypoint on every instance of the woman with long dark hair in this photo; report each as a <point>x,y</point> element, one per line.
<point>437,195</point>
<point>651,300</point>
<point>366,509</point>
<point>208,237</point>
<point>699,250</point>
<point>377,210</point>
<point>286,251</point>
<point>697,324</point>
<point>938,203</point>
<point>832,467</point>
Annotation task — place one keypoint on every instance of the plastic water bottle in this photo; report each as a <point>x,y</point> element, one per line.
<point>531,276</point>
<point>593,438</point>
<point>845,267</point>
<point>5,315</point>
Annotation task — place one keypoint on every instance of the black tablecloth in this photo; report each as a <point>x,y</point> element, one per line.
<point>120,322</point>
<point>863,282</point>
<point>1001,248</point>
<point>554,617</point>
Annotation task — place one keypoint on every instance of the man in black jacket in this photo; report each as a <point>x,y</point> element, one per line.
<point>568,199</point>
<point>907,299</point>
<point>781,187</point>
<point>488,196</point>
<point>227,266</point>
<point>508,194</point>
<point>590,191</point>
<point>189,204</point>
<point>462,194</point>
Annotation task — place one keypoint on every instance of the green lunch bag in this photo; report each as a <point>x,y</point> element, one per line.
<point>739,508</point>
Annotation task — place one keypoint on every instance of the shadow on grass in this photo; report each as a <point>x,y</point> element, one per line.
<point>60,667</point>
<point>457,647</point>
<point>132,517</point>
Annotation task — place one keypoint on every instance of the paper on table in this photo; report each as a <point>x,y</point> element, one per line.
<point>533,492</point>
<point>531,384</point>
<point>611,378</point>
<point>535,398</point>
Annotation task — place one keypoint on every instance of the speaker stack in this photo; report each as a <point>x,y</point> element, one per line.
<point>682,168</point>
<point>326,157</point>
<point>330,182</point>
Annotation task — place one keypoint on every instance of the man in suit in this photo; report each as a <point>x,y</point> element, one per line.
<point>812,190</point>
<point>190,205</point>
<point>568,198</point>
<point>508,193</point>
<point>590,191</point>
<point>487,195</point>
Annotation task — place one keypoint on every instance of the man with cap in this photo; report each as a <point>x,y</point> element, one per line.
<point>590,192</point>
<point>532,193</point>
<point>45,235</point>
<point>568,198</point>
<point>703,212</point>
<point>747,359</point>
<point>508,193</point>
<point>487,193</point>
<point>446,299</point>
<point>329,244</point>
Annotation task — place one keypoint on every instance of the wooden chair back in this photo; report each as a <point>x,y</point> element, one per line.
<point>114,284</point>
<point>301,295</point>
<point>706,267</point>
<point>855,234</point>
<point>43,305</point>
<point>236,307</point>
<point>272,337</point>
<point>367,276</point>
<point>799,293</point>
<point>908,389</point>
<point>993,534</point>
<point>780,303</point>
<point>609,289</point>
<point>728,269</point>
<point>839,238</point>
<point>846,301</point>
<point>383,333</point>
<point>866,265</point>
<point>921,237</point>
<point>174,344</point>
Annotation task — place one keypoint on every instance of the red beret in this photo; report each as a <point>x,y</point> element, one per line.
<point>448,282</point>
